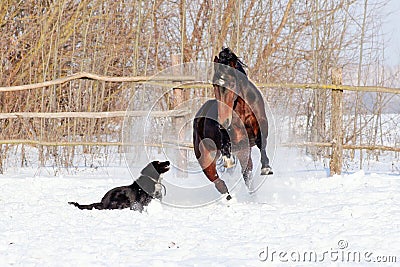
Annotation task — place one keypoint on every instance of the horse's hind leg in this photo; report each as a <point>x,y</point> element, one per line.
<point>261,142</point>
<point>244,156</point>
<point>265,167</point>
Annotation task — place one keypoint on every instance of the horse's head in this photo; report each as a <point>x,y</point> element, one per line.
<point>226,91</point>
<point>227,57</point>
<point>227,70</point>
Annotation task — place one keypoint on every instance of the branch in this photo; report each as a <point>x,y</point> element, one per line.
<point>90,76</point>
<point>269,47</point>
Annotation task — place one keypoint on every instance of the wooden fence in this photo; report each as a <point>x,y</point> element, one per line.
<point>171,82</point>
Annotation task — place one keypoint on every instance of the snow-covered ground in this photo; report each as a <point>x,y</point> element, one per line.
<point>298,213</point>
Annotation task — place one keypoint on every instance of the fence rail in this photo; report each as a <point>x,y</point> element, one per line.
<point>191,83</point>
<point>94,115</point>
<point>345,146</point>
<point>188,146</point>
<point>168,144</point>
<point>180,82</point>
<point>91,76</point>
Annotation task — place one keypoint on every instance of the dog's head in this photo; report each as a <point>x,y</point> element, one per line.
<point>150,179</point>
<point>155,168</point>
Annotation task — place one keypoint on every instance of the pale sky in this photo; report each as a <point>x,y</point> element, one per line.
<point>391,28</point>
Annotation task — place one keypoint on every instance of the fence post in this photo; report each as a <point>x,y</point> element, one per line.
<point>177,99</point>
<point>337,124</point>
<point>1,158</point>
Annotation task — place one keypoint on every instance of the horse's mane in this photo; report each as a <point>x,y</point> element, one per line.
<point>227,55</point>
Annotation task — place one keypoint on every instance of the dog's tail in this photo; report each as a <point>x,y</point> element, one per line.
<point>97,206</point>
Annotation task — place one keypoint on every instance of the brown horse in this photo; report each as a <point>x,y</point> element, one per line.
<point>235,121</point>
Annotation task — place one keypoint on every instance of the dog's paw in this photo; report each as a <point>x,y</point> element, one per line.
<point>137,206</point>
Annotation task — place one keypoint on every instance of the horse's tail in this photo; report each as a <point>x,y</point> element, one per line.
<point>98,206</point>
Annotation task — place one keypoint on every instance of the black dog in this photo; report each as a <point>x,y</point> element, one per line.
<point>136,195</point>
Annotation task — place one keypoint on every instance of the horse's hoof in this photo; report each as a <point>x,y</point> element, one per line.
<point>249,184</point>
<point>228,162</point>
<point>227,199</point>
<point>221,186</point>
<point>266,171</point>
<point>248,180</point>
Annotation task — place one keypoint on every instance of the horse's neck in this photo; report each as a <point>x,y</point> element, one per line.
<point>249,92</point>
<point>246,86</point>
<point>240,68</point>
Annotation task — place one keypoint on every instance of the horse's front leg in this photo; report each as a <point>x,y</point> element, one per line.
<point>244,156</point>
<point>226,148</point>
<point>211,172</point>
<point>208,161</point>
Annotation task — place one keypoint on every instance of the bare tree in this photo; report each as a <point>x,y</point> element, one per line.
<point>282,41</point>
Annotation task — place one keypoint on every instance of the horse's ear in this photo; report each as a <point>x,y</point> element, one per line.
<point>216,59</point>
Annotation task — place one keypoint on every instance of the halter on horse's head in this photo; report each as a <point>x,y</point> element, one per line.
<point>227,70</point>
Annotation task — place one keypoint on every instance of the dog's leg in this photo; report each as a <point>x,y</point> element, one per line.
<point>98,206</point>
